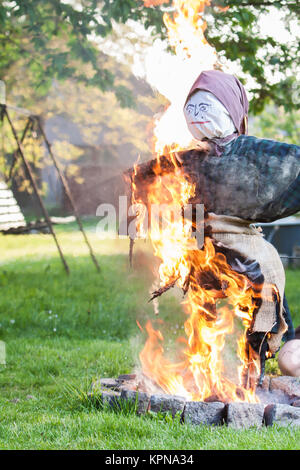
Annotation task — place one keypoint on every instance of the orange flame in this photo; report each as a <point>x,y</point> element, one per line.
<point>186,28</point>
<point>153,3</point>
<point>204,274</point>
<point>200,372</point>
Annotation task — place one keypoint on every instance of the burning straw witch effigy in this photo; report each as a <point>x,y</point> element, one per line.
<point>241,180</point>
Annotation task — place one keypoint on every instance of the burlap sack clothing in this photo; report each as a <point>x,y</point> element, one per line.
<point>241,236</point>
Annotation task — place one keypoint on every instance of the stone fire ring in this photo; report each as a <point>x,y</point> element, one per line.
<point>279,396</point>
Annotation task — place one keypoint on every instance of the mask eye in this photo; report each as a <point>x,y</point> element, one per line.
<point>190,108</point>
<point>203,107</point>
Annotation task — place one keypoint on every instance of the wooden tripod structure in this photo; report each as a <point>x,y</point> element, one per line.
<point>31,120</point>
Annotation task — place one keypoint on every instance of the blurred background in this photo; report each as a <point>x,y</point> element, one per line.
<point>96,72</point>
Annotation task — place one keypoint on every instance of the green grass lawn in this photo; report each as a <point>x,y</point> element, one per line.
<point>63,331</point>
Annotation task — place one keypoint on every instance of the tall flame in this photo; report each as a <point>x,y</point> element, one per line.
<point>193,54</point>
<point>203,274</point>
<point>186,28</point>
<point>200,372</point>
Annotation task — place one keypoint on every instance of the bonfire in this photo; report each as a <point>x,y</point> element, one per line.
<point>221,284</point>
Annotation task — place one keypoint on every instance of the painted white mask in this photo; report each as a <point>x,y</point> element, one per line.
<point>206,117</point>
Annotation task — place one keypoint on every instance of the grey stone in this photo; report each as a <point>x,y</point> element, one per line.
<point>296,403</point>
<point>109,383</point>
<point>165,403</point>
<point>123,381</point>
<point>140,398</point>
<point>266,383</point>
<point>96,387</point>
<point>111,398</point>
<point>289,385</point>
<point>128,386</point>
<point>270,398</point>
<point>283,415</point>
<point>197,412</point>
<point>106,397</point>
<point>245,415</point>
<point>126,377</point>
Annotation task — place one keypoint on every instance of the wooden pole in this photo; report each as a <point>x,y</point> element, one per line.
<point>27,127</point>
<point>68,192</point>
<point>35,189</point>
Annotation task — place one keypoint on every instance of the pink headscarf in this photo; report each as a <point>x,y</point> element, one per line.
<point>230,92</point>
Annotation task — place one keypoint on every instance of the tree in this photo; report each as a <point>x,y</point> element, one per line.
<point>31,31</point>
<point>113,135</point>
<point>53,40</point>
<point>273,64</point>
<point>274,123</point>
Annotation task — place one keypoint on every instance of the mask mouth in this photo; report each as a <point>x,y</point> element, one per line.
<point>200,122</point>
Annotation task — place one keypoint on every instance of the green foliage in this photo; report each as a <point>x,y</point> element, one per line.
<point>165,417</point>
<point>31,31</point>
<point>275,123</point>
<point>272,367</point>
<point>102,123</point>
<point>236,35</point>
<point>53,40</point>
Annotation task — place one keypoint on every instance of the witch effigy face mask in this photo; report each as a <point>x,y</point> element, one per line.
<point>206,117</point>
<point>223,101</point>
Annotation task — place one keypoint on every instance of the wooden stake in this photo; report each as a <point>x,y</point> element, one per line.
<point>35,189</point>
<point>67,191</point>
